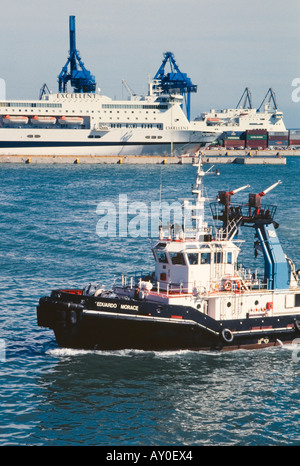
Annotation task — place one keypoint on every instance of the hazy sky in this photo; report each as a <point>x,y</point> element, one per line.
<point>223,46</point>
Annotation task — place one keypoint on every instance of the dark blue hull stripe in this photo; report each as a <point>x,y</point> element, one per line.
<point>37,144</point>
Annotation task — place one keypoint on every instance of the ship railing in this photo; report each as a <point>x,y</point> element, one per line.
<point>230,230</point>
<point>176,288</point>
<point>133,279</point>
<point>242,281</point>
<point>251,279</point>
<point>237,284</point>
<point>141,279</point>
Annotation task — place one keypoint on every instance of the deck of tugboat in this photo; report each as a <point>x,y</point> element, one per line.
<point>177,293</point>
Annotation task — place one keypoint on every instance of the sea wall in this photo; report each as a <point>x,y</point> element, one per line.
<point>208,156</point>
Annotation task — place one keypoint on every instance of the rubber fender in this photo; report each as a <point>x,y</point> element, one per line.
<point>72,306</point>
<point>297,325</point>
<point>227,335</point>
<point>73,317</point>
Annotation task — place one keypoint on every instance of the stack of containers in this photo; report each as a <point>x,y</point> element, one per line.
<point>278,138</point>
<point>234,140</point>
<point>294,139</point>
<point>256,139</point>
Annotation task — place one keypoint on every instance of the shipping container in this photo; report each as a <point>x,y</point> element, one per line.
<point>278,143</point>
<point>234,133</point>
<point>257,131</point>
<point>294,142</point>
<point>256,144</point>
<point>278,138</point>
<point>257,140</point>
<point>257,137</point>
<point>234,144</point>
<point>278,133</point>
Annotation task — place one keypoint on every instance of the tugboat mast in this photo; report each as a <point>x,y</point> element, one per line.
<point>198,208</point>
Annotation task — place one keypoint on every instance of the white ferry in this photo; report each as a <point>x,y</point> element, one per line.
<point>240,120</point>
<point>85,122</point>
<point>245,117</point>
<point>93,124</point>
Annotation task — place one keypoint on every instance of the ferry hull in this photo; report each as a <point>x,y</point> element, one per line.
<point>55,143</point>
<point>85,149</point>
<point>85,326</point>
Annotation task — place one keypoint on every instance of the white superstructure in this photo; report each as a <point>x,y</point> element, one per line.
<point>93,124</point>
<point>241,119</point>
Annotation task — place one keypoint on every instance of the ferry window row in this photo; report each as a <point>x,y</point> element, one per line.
<point>132,106</point>
<point>29,104</point>
<point>134,125</point>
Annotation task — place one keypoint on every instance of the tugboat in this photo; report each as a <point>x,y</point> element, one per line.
<point>198,297</point>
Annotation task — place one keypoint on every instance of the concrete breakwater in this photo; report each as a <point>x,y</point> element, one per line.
<point>208,157</point>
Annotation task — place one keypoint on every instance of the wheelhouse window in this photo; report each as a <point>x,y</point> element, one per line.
<point>205,258</point>
<point>193,258</point>
<point>218,257</point>
<point>162,257</point>
<point>297,300</point>
<point>229,258</point>
<point>177,258</point>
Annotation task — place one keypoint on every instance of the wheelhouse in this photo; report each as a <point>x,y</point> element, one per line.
<point>193,265</point>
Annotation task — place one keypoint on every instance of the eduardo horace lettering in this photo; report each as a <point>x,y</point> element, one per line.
<point>127,307</point>
<point>154,455</point>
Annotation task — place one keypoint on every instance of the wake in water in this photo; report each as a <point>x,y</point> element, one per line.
<point>71,352</point>
<point>294,347</point>
<point>63,352</point>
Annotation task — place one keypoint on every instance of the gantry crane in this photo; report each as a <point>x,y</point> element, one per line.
<point>247,100</point>
<point>175,81</point>
<point>81,79</point>
<point>271,97</point>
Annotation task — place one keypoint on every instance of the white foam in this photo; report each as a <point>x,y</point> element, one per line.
<point>70,352</point>
<point>295,345</point>
<point>63,352</point>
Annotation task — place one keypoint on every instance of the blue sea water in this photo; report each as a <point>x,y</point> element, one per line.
<point>52,396</point>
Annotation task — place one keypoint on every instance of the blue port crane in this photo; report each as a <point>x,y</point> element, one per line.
<point>81,79</point>
<point>175,81</point>
<point>247,99</point>
<point>272,98</point>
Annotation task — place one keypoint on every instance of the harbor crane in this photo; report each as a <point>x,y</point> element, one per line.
<point>44,90</point>
<point>129,90</point>
<point>247,98</point>
<point>255,199</point>
<point>175,81</point>
<point>272,97</point>
<point>224,197</point>
<point>81,79</point>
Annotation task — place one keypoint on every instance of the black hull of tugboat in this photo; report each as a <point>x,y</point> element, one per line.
<point>114,324</point>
